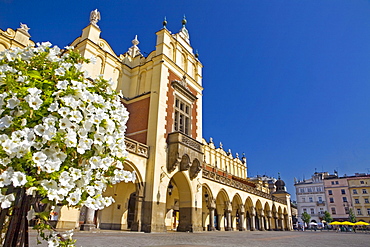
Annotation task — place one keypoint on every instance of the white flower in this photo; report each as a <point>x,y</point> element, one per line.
<point>34,91</point>
<point>74,198</point>
<point>6,201</point>
<point>76,116</point>
<point>49,184</point>
<point>95,162</point>
<point>39,158</point>
<point>19,179</point>
<point>75,173</point>
<point>71,138</point>
<point>64,123</point>
<point>12,103</point>
<point>33,101</point>
<point>60,71</point>
<point>64,111</point>
<point>31,191</point>
<point>5,122</point>
<point>90,190</point>
<point>62,84</point>
<point>69,47</point>
<point>92,203</point>
<point>5,178</point>
<point>53,107</point>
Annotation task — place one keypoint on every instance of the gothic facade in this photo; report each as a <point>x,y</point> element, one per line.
<point>184,182</point>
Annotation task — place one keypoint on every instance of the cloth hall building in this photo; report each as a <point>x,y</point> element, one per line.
<point>184,182</point>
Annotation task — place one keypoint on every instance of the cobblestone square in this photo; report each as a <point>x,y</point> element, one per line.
<point>208,239</point>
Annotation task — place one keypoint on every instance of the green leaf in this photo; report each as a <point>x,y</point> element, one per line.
<point>34,74</point>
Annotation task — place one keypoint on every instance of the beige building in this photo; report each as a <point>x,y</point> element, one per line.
<point>359,188</point>
<point>184,182</point>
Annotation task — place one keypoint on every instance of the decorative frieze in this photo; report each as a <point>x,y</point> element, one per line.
<point>136,147</point>
<point>238,185</point>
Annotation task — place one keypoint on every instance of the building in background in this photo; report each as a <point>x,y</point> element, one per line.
<point>359,188</point>
<point>184,182</point>
<point>310,196</point>
<point>338,197</point>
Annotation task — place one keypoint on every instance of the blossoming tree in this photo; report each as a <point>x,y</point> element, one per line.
<point>61,139</point>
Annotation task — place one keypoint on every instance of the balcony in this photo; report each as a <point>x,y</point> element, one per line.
<point>136,147</point>
<point>184,153</point>
<point>320,203</point>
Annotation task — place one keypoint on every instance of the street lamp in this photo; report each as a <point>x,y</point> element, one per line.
<point>170,188</point>
<point>206,196</point>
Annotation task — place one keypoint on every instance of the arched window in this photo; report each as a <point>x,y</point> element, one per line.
<point>141,83</point>
<point>184,64</point>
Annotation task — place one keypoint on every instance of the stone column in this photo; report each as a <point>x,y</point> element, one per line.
<point>212,207</point>
<point>241,217</point>
<point>269,220</point>
<point>262,221</point>
<point>89,220</point>
<point>228,210</point>
<point>281,222</point>
<point>276,220</point>
<point>253,219</point>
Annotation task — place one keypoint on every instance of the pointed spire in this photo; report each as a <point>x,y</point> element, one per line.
<point>183,22</point>
<point>134,50</point>
<point>164,23</point>
<point>135,41</point>
<point>183,31</point>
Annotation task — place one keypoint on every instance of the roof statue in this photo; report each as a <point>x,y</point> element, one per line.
<point>134,50</point>
<point>24,28</point>
<point>95,17</point>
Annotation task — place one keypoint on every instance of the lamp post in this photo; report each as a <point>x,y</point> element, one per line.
<point>170,188</point>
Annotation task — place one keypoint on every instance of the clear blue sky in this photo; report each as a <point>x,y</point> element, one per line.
<point>286,82</point>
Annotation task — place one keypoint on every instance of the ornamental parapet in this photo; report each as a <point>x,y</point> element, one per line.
<point>135,147</point>
<point>239,185</point>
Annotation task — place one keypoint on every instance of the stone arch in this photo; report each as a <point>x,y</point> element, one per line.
<point>223,211</point>
<point>125,212</point>
<point>280,225</point>
<point>249,214</point>
<point>237,213</point>
<point>274,214</point>
<point>259,215</point>
<point>179,204</point>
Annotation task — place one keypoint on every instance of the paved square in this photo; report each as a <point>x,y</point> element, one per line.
<point>208,239</point>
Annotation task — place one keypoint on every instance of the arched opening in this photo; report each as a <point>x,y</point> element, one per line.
<point>223,210</point>
<point>267,216</point>
<point>237,215</point>
<point>249,214</point>
<point>179,208</point>
<point>131,210</point>
<point>208,209</point>
<point>259,216</point>
<point>124,212</point>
